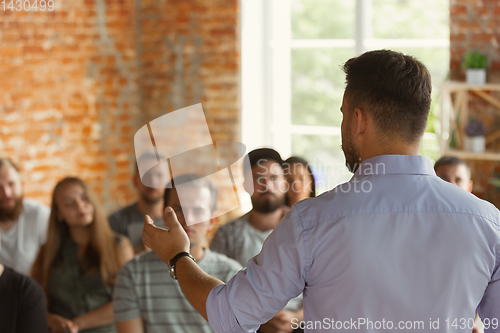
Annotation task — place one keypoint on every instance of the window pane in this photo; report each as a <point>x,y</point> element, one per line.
<point>326,158</point>
<point>318,85</point>
<point>318,19</point>
<point>410,18</point>
<point>430,148</point>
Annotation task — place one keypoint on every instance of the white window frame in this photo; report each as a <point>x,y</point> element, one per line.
<point>266,47</point>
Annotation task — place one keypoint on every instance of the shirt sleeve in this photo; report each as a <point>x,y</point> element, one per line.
<point>234,268</point>
<point>33,309</point>
<point>489,307</point>
<point>255,294</point>
<point>125,301</point>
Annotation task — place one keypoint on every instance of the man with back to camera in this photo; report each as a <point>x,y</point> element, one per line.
<point>144,288</point>
<point>454,170</point>
<point>243,238</point>
<point>23,222</point>
<point>128,220</point>
<point>390,250</point>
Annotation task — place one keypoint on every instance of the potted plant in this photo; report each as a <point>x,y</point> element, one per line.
<point>475,63</point>
<point>474,139</point>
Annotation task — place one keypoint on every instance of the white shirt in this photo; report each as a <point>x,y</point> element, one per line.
<point>20,244</point>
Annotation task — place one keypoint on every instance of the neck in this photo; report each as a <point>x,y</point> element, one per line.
<point>79,235</point>
<point>1,269</point>
<point>197,252</point>
<point>154,210</point>
<point>265,221</point>
<point>392,149</point>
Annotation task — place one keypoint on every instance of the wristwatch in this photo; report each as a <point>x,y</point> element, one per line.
<point>174,260</point>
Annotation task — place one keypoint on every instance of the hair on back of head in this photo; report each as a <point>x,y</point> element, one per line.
<point>395,89</point>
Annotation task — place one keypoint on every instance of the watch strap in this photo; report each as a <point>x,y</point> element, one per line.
<point>179,255</point>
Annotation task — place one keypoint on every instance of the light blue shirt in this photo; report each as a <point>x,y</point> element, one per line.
<point>395,246</point>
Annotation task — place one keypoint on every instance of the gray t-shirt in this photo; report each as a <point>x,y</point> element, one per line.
<point>144,289</point>
<point>129,222</point>
<point>241,241</point>
<point>21,243</point>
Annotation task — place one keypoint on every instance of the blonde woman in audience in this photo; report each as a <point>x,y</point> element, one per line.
<point>78,265</point>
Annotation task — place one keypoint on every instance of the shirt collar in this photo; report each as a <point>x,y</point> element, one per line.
<point>396,164</point>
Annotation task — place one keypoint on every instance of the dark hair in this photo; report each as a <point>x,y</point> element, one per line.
<point>299,160</point>
<point>262,154</point>
<point>395,89</point>
<point>450,160</point>
<point>195,181</point>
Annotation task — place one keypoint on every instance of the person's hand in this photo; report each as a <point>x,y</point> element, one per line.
<point>58,324</point>
<point>280,323</point>
<point>166,244</point>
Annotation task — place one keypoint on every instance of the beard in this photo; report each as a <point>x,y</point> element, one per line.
<point>12,213</point>
<point>152,200</point>
<point>351,153</point>
<point>266,205</point>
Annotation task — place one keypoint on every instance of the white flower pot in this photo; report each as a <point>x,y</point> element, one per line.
<point>476,76</point>
<point>475,144</point>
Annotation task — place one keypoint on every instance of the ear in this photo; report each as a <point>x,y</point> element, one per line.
<point>248,183</point>
<point>359,122</point>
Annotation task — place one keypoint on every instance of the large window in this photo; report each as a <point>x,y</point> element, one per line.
<point>304,44</point>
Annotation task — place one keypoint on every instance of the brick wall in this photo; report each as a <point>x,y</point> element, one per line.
<point>78,82</point>
<point>475,24</point>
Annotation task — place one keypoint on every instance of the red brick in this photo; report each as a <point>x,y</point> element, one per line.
<point>77,62</point>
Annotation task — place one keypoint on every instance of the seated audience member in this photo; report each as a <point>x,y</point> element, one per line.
<point>242,239</point>
<point>23,222</point>
<point>129,220</point>
<point>77,267</point>
<point>146,295</point>
<point>455,171</point>
<point>301,182</point>
<point>23,308</point>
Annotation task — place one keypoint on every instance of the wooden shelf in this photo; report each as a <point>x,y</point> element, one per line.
<point>455,114</point>
<point>467,155</point>
<point>458,86</point>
